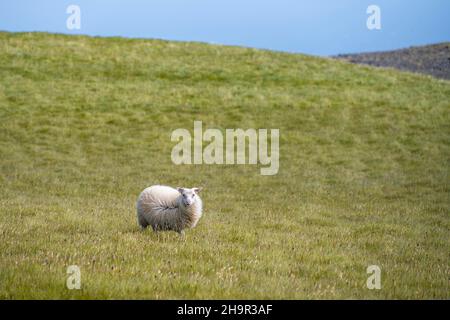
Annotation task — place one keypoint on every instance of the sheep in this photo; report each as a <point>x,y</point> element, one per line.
<point>165,208</point>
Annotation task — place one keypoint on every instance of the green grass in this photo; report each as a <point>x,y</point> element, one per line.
<point>85,126</point>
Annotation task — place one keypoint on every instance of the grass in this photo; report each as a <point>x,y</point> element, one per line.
<point>85,126</point>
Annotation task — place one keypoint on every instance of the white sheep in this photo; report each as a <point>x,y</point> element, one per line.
<point>166,208</point>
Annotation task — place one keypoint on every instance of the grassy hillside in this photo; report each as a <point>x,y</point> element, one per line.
<point>86,124</point>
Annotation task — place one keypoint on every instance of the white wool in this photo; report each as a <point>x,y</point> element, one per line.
<point>162,208</point>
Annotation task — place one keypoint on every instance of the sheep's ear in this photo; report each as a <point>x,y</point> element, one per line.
<point>197,190</point>
<point>180,190</point>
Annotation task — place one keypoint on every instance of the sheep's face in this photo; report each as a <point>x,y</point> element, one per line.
<point>188,196</point>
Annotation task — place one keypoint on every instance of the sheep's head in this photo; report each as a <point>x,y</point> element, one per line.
<point>189,196</point>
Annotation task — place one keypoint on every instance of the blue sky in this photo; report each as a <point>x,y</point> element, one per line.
<point>321,27</point>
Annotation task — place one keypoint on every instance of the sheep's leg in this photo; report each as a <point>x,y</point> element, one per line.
<point>143,226</point>
<point>182,234</point>
<point>142,223</point>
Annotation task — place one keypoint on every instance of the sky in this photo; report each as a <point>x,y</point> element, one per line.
<point>318,27</point>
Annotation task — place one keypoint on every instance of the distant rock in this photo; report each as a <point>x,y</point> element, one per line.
<point>431,59</point>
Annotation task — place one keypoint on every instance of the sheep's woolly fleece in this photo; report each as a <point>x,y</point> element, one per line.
<point>166,208</point>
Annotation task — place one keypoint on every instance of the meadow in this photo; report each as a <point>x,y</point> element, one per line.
<point>85,126</point>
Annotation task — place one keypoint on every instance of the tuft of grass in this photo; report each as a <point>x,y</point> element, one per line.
<point>85,126</point>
